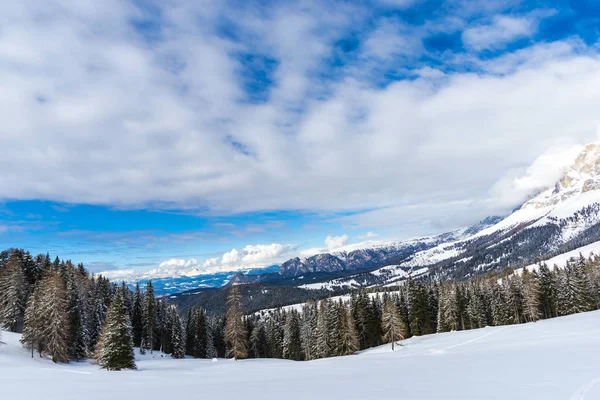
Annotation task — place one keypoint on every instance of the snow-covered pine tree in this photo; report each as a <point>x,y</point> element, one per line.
<point>258,340</point>
<point>115,350</point>
<point>211,348</point>
<point>32,337</point>
<point>235,328</point>
<point>331,324</point>
<point>513,291</point>
<point>98,314</point>
<point>274,338</point>
<point>531,295</point>
<point>322,348</point>
<point>292,346</point>
<point>177,339</point>
<point>580,286</point>
<point>309,329</point>
<point>163,326</point>
<point>565,301</point>
<point>53,308</point>
<point>391,324</point>
<point>12,295</point>
<point>476,308</point>
<point>449,308</point>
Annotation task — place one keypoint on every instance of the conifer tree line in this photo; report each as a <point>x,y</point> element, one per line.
<point>334,328</point>
<point>67,314</point>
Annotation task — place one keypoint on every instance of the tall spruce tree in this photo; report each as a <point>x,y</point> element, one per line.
<point>149,318</point>
<point>32,337</point>
<point>53,308</point>
<point>136,317</point>
<point>236,336</point>
<point>292,346</point>
<point>258,340</point>
<point>531,295</point>
<point>177,337</point>
<point>77,328</point>
<point>347,340</point>
<point>391,324</point>
<point>12,295</point>
<point>115,350</point>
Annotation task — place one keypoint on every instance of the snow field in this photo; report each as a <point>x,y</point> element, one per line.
<point>552,359</point>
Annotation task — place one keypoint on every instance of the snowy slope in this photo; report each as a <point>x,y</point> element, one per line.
<point>552,359</point>
<point>560,260</point>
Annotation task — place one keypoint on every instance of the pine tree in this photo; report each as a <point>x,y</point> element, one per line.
<point>391,324</point>
<point>201,345</point>
<point>308,330</point>
<point>53,308</point>
<point>292,347</point>
<point>347,341</point>
<point>148,318</point>
<point>12,295</point>
<point>177,339</point>
<point>531,296</point>
<point>580,286</point>
<point>213,339</point>
<point>115,351</point>
<point>258,341</point>
<point>547,292</point>
<point>274,339</point>
<point>235,329</point>
<point>34,322</point>
<point>322,348</point>
<point>77,329</point>
<point>136,317</point>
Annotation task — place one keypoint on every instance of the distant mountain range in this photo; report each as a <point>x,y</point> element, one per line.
<point>557,220</point>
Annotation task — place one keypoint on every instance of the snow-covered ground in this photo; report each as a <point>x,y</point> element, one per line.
<point>561,260</point>
<point>553,359</point>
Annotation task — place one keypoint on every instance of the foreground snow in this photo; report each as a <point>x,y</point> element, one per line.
<point>553,359</point>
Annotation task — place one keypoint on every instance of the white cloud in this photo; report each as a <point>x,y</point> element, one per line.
<point>250,256</point>
<point>161,115</point>
<point>391,38</point>
<point>503,29</point>
<point>211,262</point>
<point>545,171</point>
<point>261,253</point>
<point>231,257</point>
<point>335,242</point>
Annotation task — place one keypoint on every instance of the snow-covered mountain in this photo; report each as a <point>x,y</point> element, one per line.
<point>364,257</point>
<point>559,219</point>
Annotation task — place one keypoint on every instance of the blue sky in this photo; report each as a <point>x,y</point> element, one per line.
<point>158,138</point>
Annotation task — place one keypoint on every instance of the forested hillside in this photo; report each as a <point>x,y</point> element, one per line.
<point>61,309</point>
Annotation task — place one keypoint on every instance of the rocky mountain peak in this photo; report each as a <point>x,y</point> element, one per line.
<point>582,176</point>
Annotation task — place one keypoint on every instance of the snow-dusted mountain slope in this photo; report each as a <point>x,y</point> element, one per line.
<point>557,220</point>
<point>550,359</point>
<point>357,257</point>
